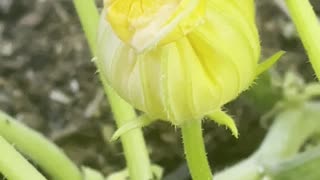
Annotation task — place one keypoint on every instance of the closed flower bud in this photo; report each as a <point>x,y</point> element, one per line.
<point>178,60</point>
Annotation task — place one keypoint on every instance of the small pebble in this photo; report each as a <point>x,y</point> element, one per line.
<point>59,96</point>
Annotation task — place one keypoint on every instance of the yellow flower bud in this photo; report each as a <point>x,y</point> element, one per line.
<point>178,60</point>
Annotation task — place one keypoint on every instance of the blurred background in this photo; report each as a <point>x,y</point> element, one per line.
<point>47,81</point>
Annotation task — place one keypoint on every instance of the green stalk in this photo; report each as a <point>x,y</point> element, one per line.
<point>14,166</point>
<point>134,146</point>
<point>133,143</point>
<point>308,28</point>
<point>195,151</point>
<point>89,19</point>
<point>36,147</point>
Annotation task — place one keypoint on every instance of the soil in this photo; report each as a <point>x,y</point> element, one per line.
<point>48,82</point>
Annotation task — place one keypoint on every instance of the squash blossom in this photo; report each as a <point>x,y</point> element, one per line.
<point>178,60</point>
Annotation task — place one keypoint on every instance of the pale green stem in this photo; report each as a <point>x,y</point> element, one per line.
<point>36,147</point>
<point>134,146</point>
<point>308,28</point>
<point>286,136</point>
<point>195,151</point>
<point>303,166</point>
<point>14,166</point>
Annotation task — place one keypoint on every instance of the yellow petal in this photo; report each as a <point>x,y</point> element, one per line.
<point>147,23</point>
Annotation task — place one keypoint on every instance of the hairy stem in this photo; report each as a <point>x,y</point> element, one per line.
<point>195,151</point>
<point>134,146</point>
<point>308,28</point>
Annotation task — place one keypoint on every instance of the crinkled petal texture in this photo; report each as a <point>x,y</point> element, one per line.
<point>191,75</point>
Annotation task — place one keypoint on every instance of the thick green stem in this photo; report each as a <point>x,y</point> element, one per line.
<point>14,166</point>
<point>134,146</point>
<point>308,27</point>
<point>195,151</point>
<point>36,147</point>
<point>133,143</point>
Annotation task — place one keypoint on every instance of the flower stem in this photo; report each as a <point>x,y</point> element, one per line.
<point>195,150</point>
<point>134,146</point>
<point>89,18</point>
<point>308,28</point>
<point>133,143</point>
<point>12,161</point>
<point>36,147</point>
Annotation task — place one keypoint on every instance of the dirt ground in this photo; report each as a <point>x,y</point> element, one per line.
<point>47,81</point>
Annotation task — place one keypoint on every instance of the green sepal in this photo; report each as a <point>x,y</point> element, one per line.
<point>269,62</point>
<point>139,122</point>
<point>222,118</point>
